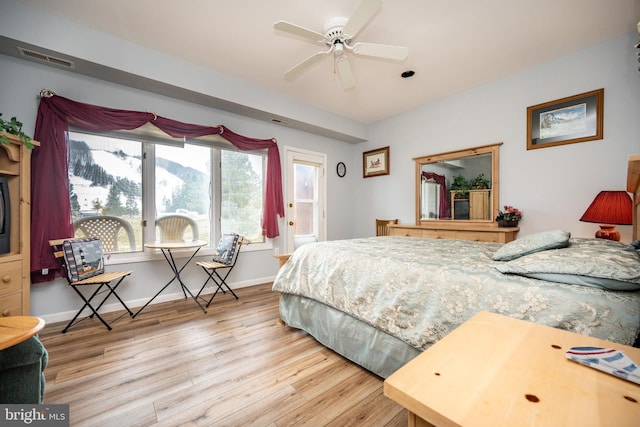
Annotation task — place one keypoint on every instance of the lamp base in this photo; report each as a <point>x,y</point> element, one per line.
<point>608,232</point>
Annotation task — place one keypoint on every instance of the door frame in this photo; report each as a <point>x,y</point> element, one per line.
<point>294,155</point>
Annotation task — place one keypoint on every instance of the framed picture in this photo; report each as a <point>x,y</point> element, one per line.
<point>375,162</point>
<point>568,120</point>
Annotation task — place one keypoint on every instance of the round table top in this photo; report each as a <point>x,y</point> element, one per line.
<point>177,244</point>
<point>15,329</point>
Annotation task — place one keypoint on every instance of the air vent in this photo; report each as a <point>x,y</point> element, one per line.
<point>280,122</point>
<point>43,57</point>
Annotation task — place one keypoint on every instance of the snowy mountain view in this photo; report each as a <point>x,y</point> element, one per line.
<point>95,172</point>
<point>106,178</point>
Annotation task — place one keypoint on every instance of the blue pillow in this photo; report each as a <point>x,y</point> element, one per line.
<point>226,248</point>
<point>532,243</point>
<point>83,258</point>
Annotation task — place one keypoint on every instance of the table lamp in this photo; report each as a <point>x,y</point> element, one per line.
<point>607,209</point>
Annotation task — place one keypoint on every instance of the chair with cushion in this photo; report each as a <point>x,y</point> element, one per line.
<point>107,229</point>
<point>225,259</point>
<point>174,227</point>
<point>382,228</point>
<point>83,262</point>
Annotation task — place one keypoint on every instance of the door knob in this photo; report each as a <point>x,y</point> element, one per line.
<point>290,222</point>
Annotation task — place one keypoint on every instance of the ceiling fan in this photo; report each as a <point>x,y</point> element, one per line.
<point>338,36</point>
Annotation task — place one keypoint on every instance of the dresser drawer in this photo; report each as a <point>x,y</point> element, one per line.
<point>10,277</point>
<point>440,234</point>
<point>405,232</point>
<point>479,236</point>
<point>11,305</point>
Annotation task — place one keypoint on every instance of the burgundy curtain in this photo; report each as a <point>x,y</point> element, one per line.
<point>50,206</point>
<point>443,209</point>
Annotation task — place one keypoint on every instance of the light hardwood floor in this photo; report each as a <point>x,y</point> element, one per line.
<point>234,366</point>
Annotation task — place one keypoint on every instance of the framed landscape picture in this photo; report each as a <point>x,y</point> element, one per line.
<point>568,120</point>
<point>375,162</point>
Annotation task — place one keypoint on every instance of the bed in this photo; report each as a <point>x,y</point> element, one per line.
<point>380,301</point>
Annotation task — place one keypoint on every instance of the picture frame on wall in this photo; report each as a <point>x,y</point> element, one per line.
<point>375,162</point>
<point>569,120</point>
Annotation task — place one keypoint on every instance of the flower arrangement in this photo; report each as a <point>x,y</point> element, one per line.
<point>510,214</point>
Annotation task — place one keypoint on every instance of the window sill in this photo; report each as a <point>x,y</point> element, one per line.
<point>154,255</point>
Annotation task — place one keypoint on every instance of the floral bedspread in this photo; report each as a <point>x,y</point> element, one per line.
<point>419,290</point>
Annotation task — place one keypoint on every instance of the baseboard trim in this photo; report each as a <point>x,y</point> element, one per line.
<point>107,308</point>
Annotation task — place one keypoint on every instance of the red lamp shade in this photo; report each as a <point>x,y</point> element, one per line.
<point>608,208</point>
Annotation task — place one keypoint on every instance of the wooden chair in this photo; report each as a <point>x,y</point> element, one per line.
<point>227,254</point>
<point>104,285</point>
<point>382,228</point>
<point>174,226</point>
<point>106,228</point>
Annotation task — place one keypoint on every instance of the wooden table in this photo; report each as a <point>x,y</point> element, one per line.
<point>498,371</point>
<point>166,248</point>
<point>15,329</point>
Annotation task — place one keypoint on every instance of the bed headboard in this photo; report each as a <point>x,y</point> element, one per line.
<point>633,186</point>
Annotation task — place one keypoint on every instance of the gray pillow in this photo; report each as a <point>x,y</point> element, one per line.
<point>588,262</point>
<point>532,243</point>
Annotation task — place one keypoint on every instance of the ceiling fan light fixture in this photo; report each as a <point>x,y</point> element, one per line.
<point>338,35</point>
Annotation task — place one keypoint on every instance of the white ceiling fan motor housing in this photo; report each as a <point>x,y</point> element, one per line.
<point>333,31</point>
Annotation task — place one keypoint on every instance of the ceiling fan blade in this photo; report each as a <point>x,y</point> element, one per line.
<point>366,10</point>
<point>381,51</point>
<point>296,70</point>
<point>344,71</point>
<point>299,31</point>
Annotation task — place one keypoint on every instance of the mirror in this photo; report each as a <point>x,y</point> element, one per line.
<point>458,185</point>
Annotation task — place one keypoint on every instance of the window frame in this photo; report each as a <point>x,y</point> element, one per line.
<point>148,144</point>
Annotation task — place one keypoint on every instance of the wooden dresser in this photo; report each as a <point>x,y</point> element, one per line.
<point>478,232</point>
<point>15,280</point>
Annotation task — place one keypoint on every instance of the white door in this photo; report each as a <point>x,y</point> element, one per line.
<point>305,198</point>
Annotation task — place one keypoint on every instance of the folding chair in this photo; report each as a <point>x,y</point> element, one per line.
<point>225,258</point>
<point>83,262</point>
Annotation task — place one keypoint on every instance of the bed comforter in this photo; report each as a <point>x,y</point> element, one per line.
<point>419,290</point>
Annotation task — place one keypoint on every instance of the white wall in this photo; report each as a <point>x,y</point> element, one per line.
<point>554,185</point>
<point>20,84</point>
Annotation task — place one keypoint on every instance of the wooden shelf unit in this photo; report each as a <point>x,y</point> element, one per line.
<point>15,279</point>
<point>479,204</point>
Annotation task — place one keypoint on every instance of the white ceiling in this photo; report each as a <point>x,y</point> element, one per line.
<point>453,45</point>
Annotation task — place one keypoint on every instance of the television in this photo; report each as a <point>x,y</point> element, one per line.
<point>5,216</point>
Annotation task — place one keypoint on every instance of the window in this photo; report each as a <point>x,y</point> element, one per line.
<point>241,199</point>
<point>108,176</point>
<point>183,185</point>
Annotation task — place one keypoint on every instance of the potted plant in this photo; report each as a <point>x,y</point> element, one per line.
<point>460,186</point>
<point>509,217</point>
<point>480,182</point>
<point>14,127</point>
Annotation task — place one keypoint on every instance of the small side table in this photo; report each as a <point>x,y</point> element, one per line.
<point>166,248</point>
<point>498,371</point>
<point>282,259</point>
<point>15,329</point>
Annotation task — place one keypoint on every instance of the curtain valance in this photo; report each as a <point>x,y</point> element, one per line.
<point>50,205</point>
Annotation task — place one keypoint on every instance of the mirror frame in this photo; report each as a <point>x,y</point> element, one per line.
<point>493,149</point>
